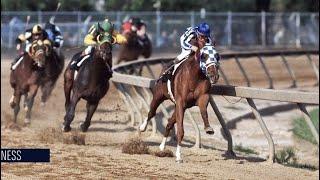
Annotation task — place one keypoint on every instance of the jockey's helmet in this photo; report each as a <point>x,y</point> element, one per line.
<point>37,29</point>
<point>203,29</point>
<point>106,26</point>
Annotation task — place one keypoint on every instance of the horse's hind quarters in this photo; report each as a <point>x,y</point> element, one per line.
<point>209,130</point>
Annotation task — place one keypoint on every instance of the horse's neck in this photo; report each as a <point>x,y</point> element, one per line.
<point>194,65</point>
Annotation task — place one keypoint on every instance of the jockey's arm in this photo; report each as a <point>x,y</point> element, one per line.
<point>58,37</point>
<point>185,41</point>
<point>90,40</point>
<point>23,38</point>
<point>119,38</point>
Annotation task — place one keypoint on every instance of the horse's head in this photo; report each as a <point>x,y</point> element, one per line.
<point>39,50</point>
<point>104,49</point>
<point>210,60</point>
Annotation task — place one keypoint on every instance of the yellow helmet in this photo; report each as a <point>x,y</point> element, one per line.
<point>36,29</point>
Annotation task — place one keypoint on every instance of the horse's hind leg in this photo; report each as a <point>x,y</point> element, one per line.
<point>30,100</point>
<point>91,108</point>
<point>169,126</point>
<point>203,104</point>
<point>68,118</point>
<point>158,98</point>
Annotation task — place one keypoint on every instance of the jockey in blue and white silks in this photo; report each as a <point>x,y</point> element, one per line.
<point>54,34</point>
<point>186,41</point>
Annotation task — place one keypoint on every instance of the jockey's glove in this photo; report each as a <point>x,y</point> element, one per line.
<point>18,46</point>
<point>194,48</point>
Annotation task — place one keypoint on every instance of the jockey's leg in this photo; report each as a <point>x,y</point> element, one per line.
<point>75,61</point>
<point>167,74</point>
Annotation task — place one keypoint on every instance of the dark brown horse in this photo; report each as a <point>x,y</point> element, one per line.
<point>51,75</point>
<point>190,87</point>
<point>135,47</point>
<point>30,74</point>
<point>90,84</point>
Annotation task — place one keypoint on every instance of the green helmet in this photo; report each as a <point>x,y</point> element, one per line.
<point>106,26</point>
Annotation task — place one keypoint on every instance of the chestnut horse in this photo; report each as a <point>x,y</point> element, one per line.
<point>191,85</point>
<point>90,84</point>
<point>38,68</point>
<point>135,47</point>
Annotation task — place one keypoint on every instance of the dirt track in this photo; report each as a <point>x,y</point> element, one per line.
<point>101,157</point>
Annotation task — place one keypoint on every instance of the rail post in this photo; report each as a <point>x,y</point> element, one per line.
<point>307,118</point>
<point>223,124</point>
<point>264,129</point>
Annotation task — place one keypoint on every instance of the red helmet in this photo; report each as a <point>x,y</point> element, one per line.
<point>126,26</point>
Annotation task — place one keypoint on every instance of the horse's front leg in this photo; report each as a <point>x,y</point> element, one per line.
<point>68,82</point>
<point>180,108</point>
<point>46,90</point>
<point>203,104</point>
<point>30,100</point>
<point>158,98</point>
<point>15,104</point>
<point>169,126</point>
<point>91,108</point>
<point>68,118</point>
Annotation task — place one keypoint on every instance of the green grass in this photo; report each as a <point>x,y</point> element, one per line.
<point>245,150</point>
<point>302,130</point>
<point>287,157</point>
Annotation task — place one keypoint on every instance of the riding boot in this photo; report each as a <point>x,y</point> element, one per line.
<point>167,74</point>
<point>73,65</point>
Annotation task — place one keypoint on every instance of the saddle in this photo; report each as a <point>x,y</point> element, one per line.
<point>77,64</point>
<point>169,81</point>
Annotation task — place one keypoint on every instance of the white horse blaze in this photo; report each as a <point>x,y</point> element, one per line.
<point>163,144</point>
<point>143,126</point>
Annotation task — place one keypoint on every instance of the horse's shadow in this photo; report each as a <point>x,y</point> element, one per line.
<point>104,129</point>
<point>190,144</point>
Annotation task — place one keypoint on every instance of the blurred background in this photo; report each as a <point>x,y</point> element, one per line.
<point>235,23</point>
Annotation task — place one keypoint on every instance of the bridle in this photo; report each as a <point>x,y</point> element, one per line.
<point>212,59</point>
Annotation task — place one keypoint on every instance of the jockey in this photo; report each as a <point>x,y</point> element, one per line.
<point>138,26</point>
<point>54,34</point>
<point>192,33</point>
<point>105,28</point>
<point>36,33</point>
<point>135,25</point>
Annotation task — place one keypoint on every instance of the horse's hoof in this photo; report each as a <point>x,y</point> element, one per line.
<point>209,130</point>
<point>12,104</point>
<point>66,128</point>
<point>179,161</point>
<point>83,127</point>
<point>27,121</point>
<point>42,104</point>
<point>230,154</point>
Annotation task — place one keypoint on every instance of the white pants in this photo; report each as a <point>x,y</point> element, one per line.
<point>28,45</point>
<point>88,50</point>
<point>184,53</point>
